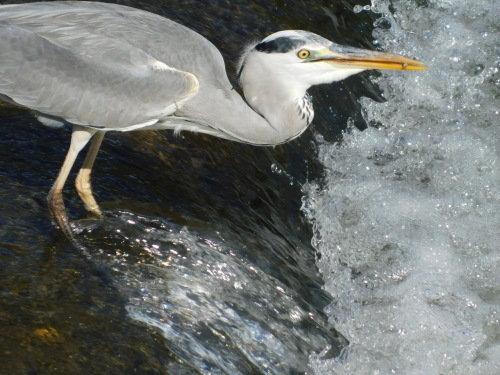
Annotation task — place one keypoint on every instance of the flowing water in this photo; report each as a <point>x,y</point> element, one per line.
<point>407,220</point>
<point>366,252</point>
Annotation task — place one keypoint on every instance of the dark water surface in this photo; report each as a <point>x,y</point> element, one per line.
<point>203,263</point>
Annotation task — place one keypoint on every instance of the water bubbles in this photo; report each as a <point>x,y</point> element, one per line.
<point>275,168</point>
<point>361,8</point>
<point>478,69</point>
<point>411,245</point>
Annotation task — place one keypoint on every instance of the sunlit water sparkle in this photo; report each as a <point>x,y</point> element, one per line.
<point>204,264</point>
<point>407,220</point>
<point>218,310</point>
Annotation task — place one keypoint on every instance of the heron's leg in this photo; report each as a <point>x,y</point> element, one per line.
<point>79,138</point>
<point>82,182</point>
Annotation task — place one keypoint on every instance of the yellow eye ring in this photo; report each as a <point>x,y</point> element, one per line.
<point>303,54</point>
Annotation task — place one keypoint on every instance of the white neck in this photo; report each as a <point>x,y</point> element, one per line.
<point>286,108</point>
<point>271,117</point>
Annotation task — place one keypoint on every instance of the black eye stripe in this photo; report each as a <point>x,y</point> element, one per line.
<point>279,45</point>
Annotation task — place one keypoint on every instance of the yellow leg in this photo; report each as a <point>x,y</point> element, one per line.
<point>82,183</point>
<point>79,138</point>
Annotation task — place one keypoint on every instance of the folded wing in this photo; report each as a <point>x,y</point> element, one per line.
<point>67,70</point>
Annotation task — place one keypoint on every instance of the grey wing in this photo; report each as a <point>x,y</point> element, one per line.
<point>69,72</point>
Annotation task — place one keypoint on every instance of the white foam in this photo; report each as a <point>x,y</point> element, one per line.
<point>408,221</point>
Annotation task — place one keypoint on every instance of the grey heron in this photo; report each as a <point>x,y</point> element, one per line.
<point>104,67</point>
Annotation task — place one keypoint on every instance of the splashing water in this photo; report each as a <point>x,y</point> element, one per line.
<point>407,220</point>
<point>219,312</point>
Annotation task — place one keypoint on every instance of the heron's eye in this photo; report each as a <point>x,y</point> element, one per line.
<point>303,54</point>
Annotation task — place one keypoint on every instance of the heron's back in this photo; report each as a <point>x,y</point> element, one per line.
<point>102,64</point>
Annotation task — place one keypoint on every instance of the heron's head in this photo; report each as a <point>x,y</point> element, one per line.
<point>296,60</point>
<point>276,73</point>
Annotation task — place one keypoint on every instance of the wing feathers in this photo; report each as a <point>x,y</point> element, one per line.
<point>70,72</point>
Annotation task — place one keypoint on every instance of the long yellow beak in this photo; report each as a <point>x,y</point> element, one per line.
<point>343,57</point>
